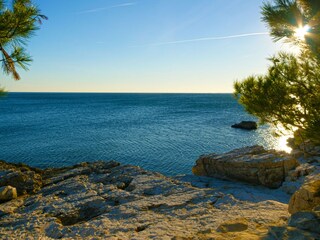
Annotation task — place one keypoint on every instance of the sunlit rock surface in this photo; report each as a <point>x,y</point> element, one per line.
<point>106,200</point>
<point>306,198</point>
<point>7,193</point>
<point>251,164</point>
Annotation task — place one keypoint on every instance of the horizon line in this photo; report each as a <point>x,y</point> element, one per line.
<point>123,92</point>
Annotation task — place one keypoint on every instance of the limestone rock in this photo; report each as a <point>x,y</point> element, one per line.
<point>106,200</point>
<point>306,198</point>
<point>247,125</point>
<point>291,187</point>
<point>306,172</point>
<point>304,169</point>
<point>250,164</point>
<point>22,177</point>
<point>289,233</point>
<point>307,148</point>
<point>24,182</point>
<point>7,193</point>
<point>309,221</point>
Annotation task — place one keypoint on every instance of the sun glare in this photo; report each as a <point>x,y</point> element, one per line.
<point>301,32</point>
<point>282,144</point>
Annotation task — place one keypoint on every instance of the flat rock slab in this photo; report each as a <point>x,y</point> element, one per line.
<point>106,200</point>
<point>250,164</point>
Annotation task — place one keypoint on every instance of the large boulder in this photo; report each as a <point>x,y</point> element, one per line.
<point>250,164</point>
<point>247,125</point>
<point>306,198</point>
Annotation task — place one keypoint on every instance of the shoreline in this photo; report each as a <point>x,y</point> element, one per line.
<point>110,200</point>
<point>152,131</point>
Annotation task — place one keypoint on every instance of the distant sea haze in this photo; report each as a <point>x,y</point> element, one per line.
<point>159,132</point>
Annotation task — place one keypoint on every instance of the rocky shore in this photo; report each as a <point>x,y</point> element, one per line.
<point>251,164</point>
<point>107,200</point>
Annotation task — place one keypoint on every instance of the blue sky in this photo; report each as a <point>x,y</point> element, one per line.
<point>146,46</point>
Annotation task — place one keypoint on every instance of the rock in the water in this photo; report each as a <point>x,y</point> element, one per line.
<point>250,164</point>
<point>247,125</point>
<point>306,198</point>
<point>7,193</point>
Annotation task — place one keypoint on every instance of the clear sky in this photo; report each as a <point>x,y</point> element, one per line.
<point>200,46</point>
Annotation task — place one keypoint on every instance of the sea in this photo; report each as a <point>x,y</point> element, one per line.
<point>159,132</point>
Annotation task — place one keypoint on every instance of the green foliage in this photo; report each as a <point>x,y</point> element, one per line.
<point>18,22</point>
<point>283,17</point>
<point>288,95</point>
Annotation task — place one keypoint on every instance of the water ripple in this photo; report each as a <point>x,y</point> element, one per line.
<point>160,132</point>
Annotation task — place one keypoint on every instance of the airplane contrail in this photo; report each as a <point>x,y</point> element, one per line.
<point>206,39</point>
<point>107,8</point>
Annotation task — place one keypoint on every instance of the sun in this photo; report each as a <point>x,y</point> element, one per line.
<point>301,32</point>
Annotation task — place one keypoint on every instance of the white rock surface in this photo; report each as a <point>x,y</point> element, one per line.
<point>106,200</point>
<point>109,201</point>
<point>250,164</point>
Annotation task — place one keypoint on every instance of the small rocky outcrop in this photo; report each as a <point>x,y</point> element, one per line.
<point>22,177</point>
<point>250,164</point>
<point>305,172</point>
<point>306,149</point>
<point>7,193</point>
<point>247,125</point>
<point>306,198</point>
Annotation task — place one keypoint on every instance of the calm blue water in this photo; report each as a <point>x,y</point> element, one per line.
<point>160,132</point>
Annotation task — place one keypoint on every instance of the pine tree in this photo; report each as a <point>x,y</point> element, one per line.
<point>285,18</point>
<point>18,22</point>
<point>288,95</point>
